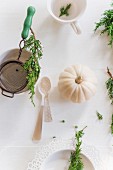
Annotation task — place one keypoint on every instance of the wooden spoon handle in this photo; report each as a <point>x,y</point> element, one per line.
<point>38,128</point>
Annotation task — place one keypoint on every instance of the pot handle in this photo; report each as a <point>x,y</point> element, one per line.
<point>28,22</point>
<point>6,94</point>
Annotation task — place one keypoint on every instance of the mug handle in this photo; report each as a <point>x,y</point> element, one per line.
<point>76,27</point>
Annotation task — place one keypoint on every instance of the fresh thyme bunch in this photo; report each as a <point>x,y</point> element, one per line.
<point>107,22</point>
<point>32,64</point>
<point>75,158</point>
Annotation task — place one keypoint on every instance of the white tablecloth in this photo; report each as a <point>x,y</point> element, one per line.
<point>62,48</point>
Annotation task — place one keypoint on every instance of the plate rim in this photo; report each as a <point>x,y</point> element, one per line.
<point>42,166</point>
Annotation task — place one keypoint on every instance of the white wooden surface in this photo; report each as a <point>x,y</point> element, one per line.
<point>62,48</point>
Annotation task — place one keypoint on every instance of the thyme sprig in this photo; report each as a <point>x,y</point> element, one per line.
<point>75,157</point>
<point>107,22</point>
<point>32,64</point>
<point>112,125</point>
<point>109,85</point>
<point>65,10</point>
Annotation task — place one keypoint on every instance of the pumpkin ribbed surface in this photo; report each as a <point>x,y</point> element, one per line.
<point>77,83</point>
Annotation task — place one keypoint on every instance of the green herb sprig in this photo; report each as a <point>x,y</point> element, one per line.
<point>75,158</point>
<point>65,10</point>
<point>100,117</point>
<point>32,64</point>
<point>112,125</point>
<point>107,22</point>
<point>109,85</point>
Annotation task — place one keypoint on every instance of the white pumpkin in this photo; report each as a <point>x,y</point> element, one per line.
<point>77,83</point>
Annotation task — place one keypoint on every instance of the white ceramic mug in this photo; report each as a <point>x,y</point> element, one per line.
<point>76,10</point>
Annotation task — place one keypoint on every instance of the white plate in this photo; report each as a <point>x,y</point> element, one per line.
<point>60,161</point>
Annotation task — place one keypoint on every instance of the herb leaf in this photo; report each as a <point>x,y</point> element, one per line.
<point>75,158</point>
<point>54,137</point>
<point>32,64</point>
<point>100,117</point>
<point>64,10</point>
<point>62,121</point>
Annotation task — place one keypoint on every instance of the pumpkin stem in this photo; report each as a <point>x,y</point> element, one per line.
<point>78,80</point>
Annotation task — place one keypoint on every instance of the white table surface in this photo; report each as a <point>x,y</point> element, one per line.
<point>62,48</point>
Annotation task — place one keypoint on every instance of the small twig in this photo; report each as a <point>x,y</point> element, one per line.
<point>84,128</point>
<point>20,49</point>
<point>109,73</point>
<point>32,32</point>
